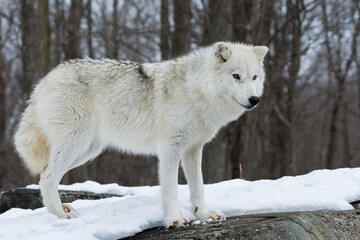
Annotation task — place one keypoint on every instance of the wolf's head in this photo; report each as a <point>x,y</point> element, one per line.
<point>239,73</point>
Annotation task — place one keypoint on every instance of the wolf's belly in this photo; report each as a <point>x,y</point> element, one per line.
<point>134,144</point>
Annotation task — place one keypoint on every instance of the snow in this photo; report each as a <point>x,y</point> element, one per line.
<point>140,208</point>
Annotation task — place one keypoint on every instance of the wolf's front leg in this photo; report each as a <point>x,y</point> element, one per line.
<point>169,158</point>
<point>191,163</point>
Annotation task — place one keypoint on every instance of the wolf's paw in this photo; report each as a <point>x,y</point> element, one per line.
<point>70,212</point>
<point>204,216</point>
<point>180,222</point>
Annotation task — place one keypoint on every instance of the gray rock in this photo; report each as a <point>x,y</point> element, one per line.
<point>327,225</point>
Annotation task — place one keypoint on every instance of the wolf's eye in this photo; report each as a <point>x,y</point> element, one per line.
<point>254,77</point>
<point>236,76</point>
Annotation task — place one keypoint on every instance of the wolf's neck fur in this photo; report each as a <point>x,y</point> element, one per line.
<point>190,78</point>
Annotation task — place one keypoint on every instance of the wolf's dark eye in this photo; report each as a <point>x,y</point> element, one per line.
<point>236,76</point>
<point>254,77</point>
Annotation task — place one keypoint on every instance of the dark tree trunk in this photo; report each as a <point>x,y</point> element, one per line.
<point>58,32</point>
<point>2,114</point>
<point>73,40</point>
<point>218,22</point>
<point>35,52</point>
<point>358,79</point>
<point>89,23</point>
<point>242,14</point>
<point>339,95</point>
<point>345,133</point>
<point>115,30</point>
<point>165,34</point>
<point>182,33</point>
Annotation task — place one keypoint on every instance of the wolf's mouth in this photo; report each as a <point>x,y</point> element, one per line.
<point>246,107</point>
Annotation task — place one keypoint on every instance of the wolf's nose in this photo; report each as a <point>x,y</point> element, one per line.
<point>254,100</point>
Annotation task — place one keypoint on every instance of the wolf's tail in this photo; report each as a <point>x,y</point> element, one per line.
<point>31,143</point>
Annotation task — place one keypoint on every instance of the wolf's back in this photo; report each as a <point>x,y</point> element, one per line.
<point>30,143</point>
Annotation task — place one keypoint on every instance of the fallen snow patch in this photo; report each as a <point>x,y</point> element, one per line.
<point>140,208</point>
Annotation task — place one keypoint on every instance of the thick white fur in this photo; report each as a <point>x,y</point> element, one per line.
<point>170,109</point>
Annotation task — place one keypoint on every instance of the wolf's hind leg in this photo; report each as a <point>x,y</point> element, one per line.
<point>49,190</point>
<point>61,160</point>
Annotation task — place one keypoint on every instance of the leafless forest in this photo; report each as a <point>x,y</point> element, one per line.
<point>309,116</point>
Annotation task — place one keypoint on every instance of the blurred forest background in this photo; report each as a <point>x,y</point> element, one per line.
<point>309,117</point>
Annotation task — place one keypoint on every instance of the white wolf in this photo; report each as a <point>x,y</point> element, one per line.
<point>169,108</point>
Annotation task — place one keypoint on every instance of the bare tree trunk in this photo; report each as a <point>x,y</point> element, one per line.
<point>358,80</point>
<point>73,40</point>
<point>242,14</point>
<point>182,33</point>
<point>115,30</point>
<point>57,32</point>
<point>333,128</point>
<point>325,121</point>
<point>2,113</point>
<point>35,52</point>
<point>89,23</point>
<point>165,34</point>
<point>218,21</point>
<point>345,133</point>
<point>293,71</point>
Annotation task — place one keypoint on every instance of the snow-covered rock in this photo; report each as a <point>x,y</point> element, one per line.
<point>140,208</point>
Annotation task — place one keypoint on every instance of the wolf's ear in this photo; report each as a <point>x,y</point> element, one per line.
<point>223,51</point>
<point>260,52</point>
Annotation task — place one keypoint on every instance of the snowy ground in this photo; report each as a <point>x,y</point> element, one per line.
<point>140,209</point>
